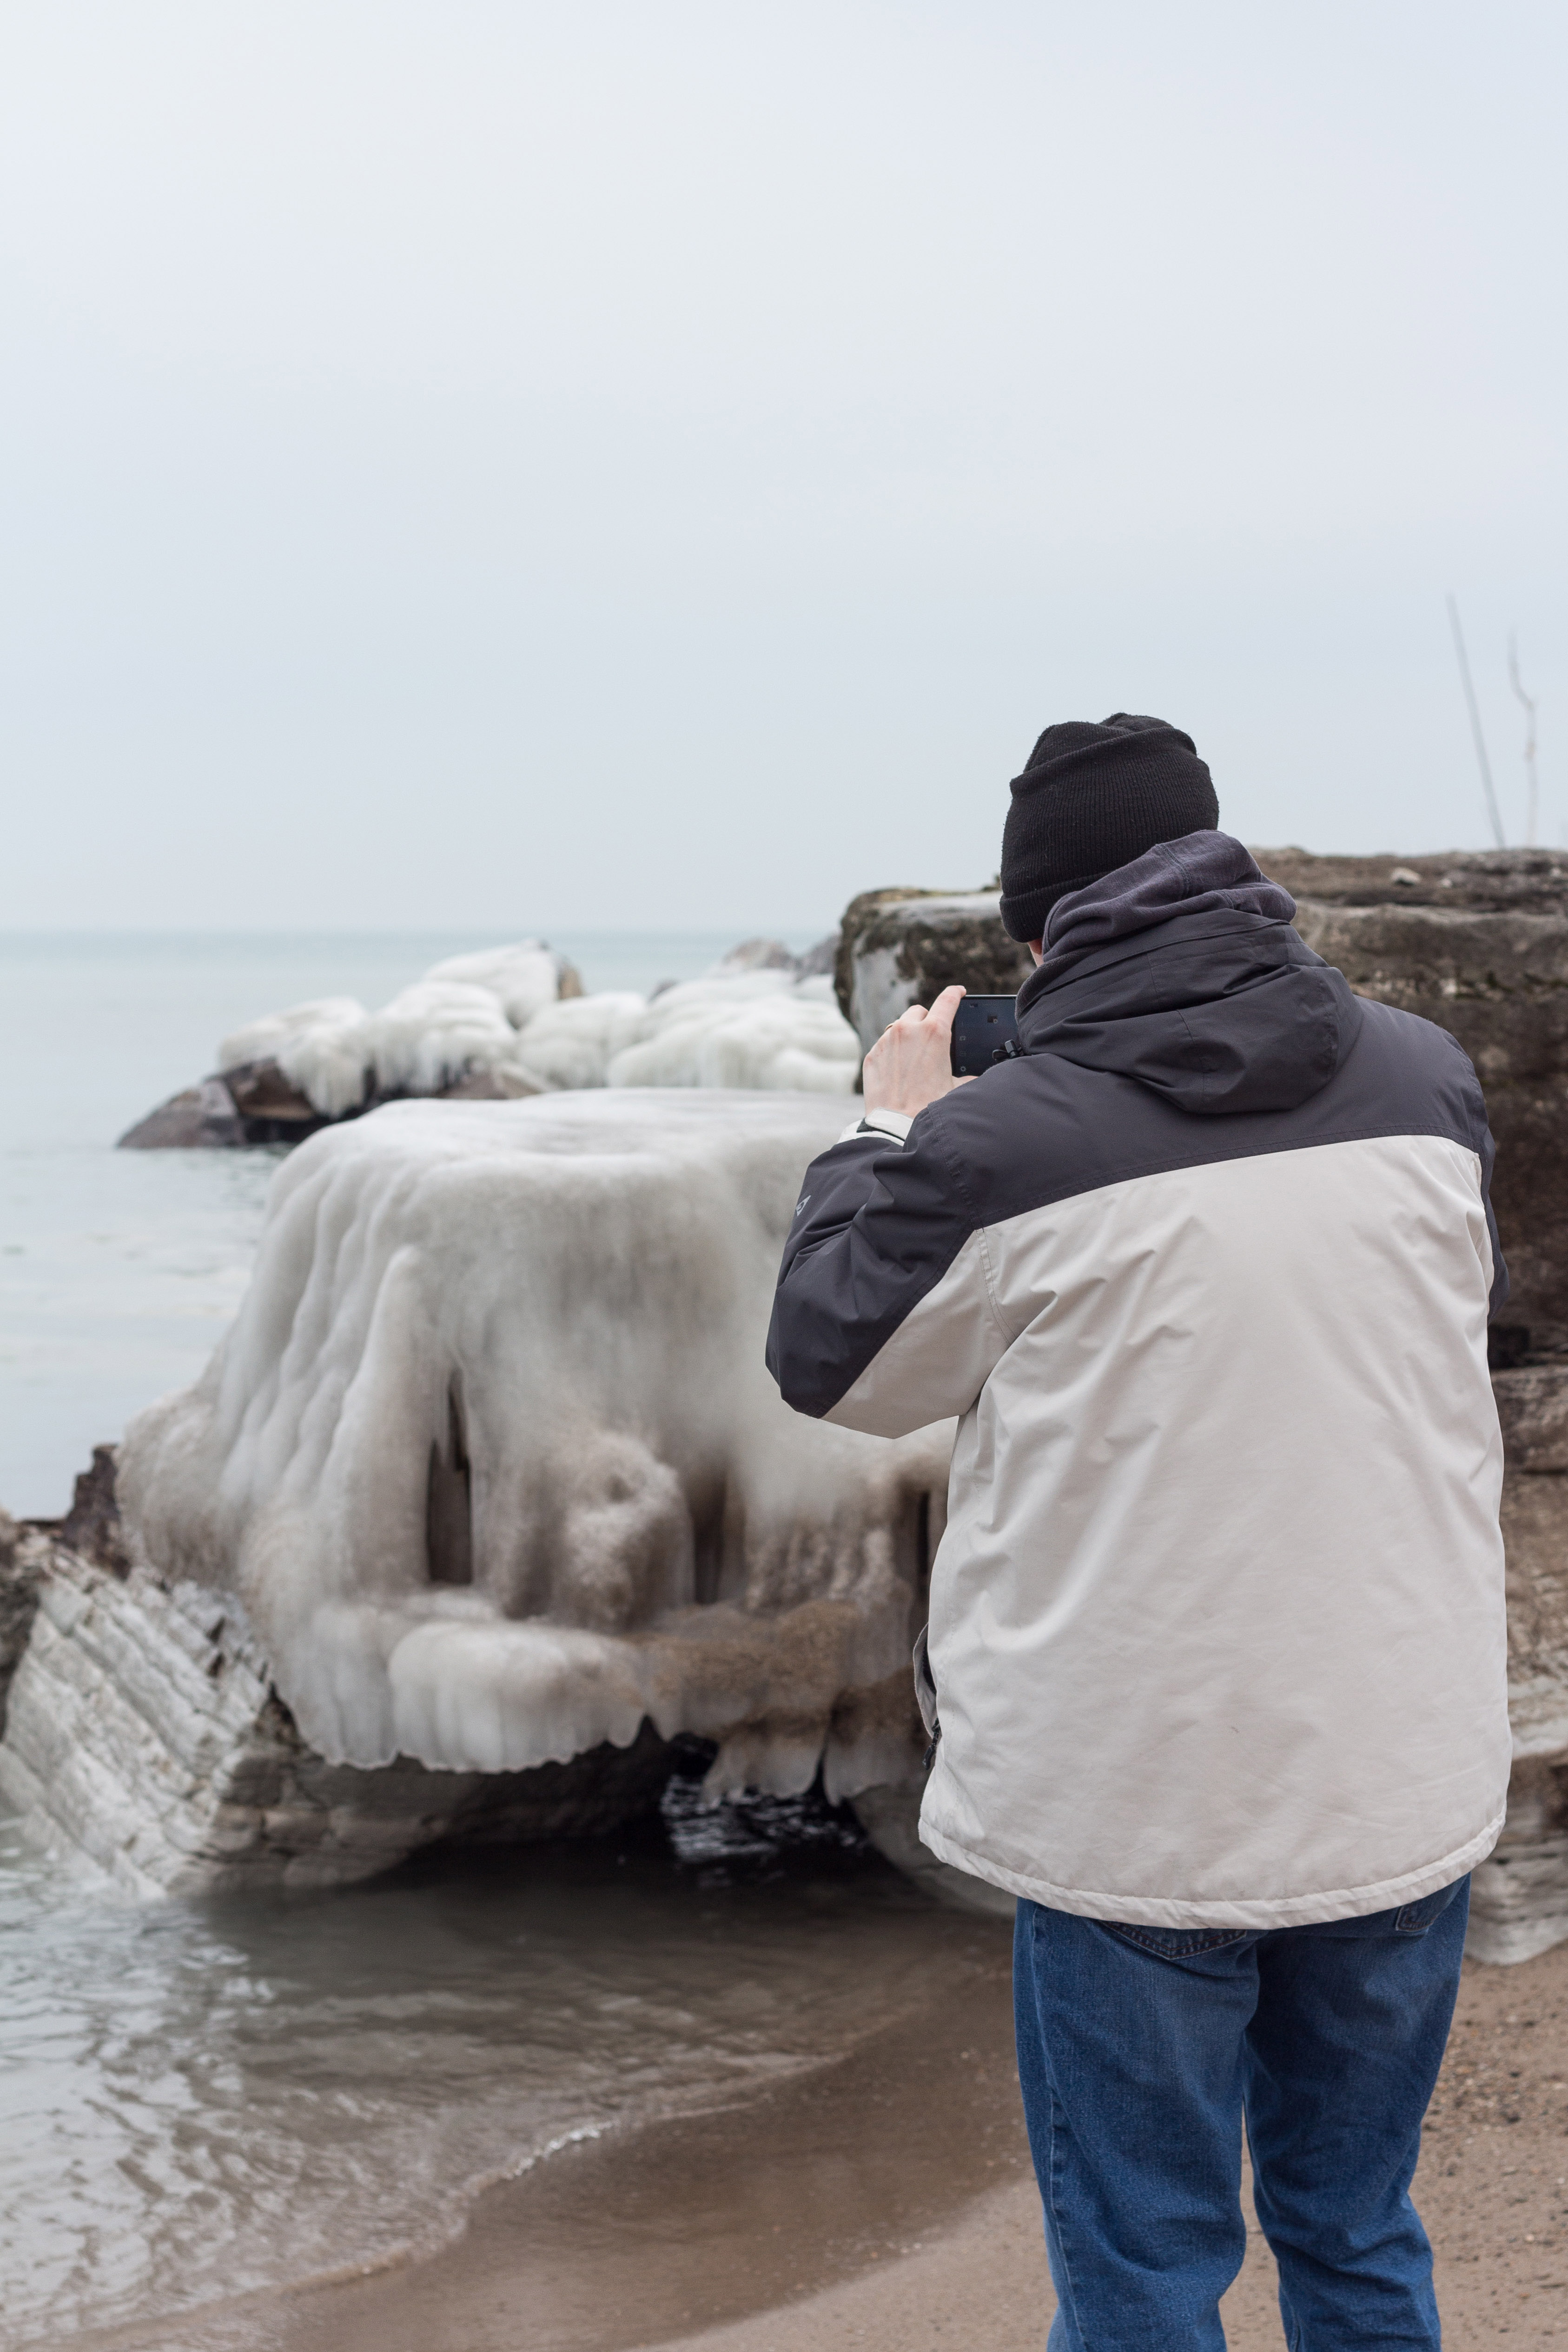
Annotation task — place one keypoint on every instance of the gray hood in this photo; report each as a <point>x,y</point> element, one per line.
<point>1181,970</point>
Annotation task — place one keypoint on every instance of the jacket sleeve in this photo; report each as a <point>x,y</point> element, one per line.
<point>884,1318</point>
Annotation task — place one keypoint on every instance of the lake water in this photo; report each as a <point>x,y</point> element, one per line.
<point>200,2099</point>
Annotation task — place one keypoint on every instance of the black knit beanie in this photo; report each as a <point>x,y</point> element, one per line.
<point>1090,799</point>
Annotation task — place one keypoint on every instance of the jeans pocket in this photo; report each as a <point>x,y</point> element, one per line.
<point>1176,1943</point>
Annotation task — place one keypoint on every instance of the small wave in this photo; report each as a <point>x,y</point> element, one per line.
<point>203,2102</point>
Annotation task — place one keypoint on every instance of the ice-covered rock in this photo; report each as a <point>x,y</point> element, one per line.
<point>491,1459</point>
<point>754,1028</point>
<point>572,1046</point>
<point>523,979</point>
<point>511,1022</point>
<point>464,1015</point>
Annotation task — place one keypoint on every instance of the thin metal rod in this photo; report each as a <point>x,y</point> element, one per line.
<point>1533,798</point>
<point>1476,721</point>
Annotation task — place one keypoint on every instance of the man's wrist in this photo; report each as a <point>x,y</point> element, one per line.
<point>881,1121</point>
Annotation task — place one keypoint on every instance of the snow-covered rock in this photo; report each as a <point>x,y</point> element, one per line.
<point>571,1045</point>
<point>463,1016</point>
<point>755,1029</point>
<point>523,979</point>
<point>752,1028</point>
<point>491,1459</point>
<point>509,1021</point>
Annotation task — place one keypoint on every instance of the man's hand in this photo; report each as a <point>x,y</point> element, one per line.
<point>912,1062</point>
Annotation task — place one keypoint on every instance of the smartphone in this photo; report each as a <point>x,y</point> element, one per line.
<point>984,1030</point>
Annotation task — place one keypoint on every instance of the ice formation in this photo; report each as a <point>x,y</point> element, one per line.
<point>500,1012</point>
<point>465,1014</point>
<point>491,1457</point>
<point>746,1029</point>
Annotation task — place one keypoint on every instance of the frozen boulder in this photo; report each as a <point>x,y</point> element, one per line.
<point>512,1022</point>
<point>492,1464</point>
<point>753,1028</point>
<point>463,1016</point>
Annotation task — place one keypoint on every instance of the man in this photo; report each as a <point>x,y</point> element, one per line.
<point>1217,1626</point>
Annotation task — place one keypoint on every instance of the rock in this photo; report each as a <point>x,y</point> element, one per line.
<point>261,1093</point>
<point>898,948</point>
<point>91,1527</point>
<point>757,955</point>
<point>772,955</point>
<point>890,1816</point>
<point>1476,940</point>
<point>1520,1897</point>
<point>1499,981</point>
<point>200,1118</point>
<point>146,1735</point>
<point>23,1554</point>
<point>261,1106</point>
<point>252,1104</point>
<point>1476,881</point>
<point>819,960</point>
<point>1532,1406</point>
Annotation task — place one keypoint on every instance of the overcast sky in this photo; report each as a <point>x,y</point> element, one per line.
<point>501,464</point>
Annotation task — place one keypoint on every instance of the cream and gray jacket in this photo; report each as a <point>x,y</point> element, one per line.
<point>1217,1623</point>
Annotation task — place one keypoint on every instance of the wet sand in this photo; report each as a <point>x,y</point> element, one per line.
<point>1492,2187</point>
<point>886,2201</point>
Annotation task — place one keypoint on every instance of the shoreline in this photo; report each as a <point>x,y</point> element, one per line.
<point>684,2223</point>
<point>885,2200</point>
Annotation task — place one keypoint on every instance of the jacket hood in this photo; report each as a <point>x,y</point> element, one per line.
<point>1181,970</point>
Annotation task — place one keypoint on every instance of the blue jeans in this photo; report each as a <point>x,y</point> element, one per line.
<point>1140,2050</point>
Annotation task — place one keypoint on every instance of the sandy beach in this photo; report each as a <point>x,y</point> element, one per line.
<point>1492,2187</point>
<point>887,2202</point>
